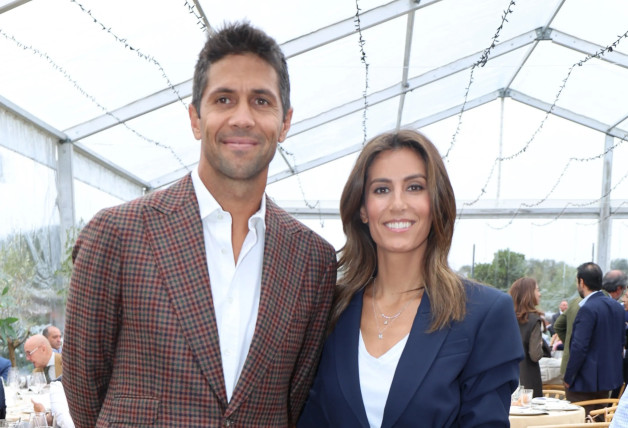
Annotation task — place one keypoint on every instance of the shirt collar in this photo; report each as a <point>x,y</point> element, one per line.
<point>583,301</point>
<point>51,361</point>
<point>207,204</point>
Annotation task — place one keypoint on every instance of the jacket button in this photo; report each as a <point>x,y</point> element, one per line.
<point>228,422</point>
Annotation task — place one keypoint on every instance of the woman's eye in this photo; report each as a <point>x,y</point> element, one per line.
<point>415,187</point>
<point>380,190</point>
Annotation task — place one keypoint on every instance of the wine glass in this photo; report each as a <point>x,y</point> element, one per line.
<point>38,381</point>
<point>38,420</point>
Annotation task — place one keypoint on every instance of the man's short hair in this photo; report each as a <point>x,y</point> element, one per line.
<point>613,280</point>
<point>591,274</point>
<point>236,39</point>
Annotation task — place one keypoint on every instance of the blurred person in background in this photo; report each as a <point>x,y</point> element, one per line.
<point>5,365</point>
<point>39,352</point>
<point>526,296</point>
<point>53,334</point>
<point>614,283</point>
<point>595,363</point>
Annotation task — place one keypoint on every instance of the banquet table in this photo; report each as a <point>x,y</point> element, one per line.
<point>19,404</point>
<point>549,417</point>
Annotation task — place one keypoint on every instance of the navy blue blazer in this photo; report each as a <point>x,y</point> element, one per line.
<point>460,376</point>
<point>5,365</point>
<point>596,347</point>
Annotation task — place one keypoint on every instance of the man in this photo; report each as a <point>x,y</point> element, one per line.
<point>204,304</point>
<point>595,355</point>
<point>53,334</point>
<point>39,352</point>
<point>614,283</point>
<point>563,328</point>
<point>562,307</point>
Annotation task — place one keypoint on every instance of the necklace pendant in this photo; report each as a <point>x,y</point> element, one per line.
<point>381,336</point>
<point>385,322</point>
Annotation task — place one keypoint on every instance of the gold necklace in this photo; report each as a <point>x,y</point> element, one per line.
<point>388,319</point>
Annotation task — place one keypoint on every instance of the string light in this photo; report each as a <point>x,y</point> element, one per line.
<point>540,201</point>
<point>127,45</point>
<point>361,43</point>
<point>601,52</point>
<point>55,66</point>
<point>479,63</point>
<point>199,18</point>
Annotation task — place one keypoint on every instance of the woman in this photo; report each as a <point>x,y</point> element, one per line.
<point>526,296</point>
<point>413,343</point>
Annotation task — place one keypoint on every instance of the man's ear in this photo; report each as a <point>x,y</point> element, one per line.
<point>195,122</point>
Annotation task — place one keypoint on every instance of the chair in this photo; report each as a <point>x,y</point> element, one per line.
<point>580,425</point>
<point>553,386</point>
<point>607,401</point>
<point>607,412</point>
<point>554,393</point>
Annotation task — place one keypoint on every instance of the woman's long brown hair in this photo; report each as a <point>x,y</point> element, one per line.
<point>522,293</point>
<point>358,258</point>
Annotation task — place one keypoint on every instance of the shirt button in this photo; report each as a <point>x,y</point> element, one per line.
<point>223,251</point>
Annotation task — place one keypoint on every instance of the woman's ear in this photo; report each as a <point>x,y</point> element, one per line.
<point>363,215</point>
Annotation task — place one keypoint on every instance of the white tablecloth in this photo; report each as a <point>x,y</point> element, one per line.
<point>19,404</point>
<point>554,417</point>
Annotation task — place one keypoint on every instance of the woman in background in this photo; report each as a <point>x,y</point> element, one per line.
<point>413,343</point>
<point>526,296</point>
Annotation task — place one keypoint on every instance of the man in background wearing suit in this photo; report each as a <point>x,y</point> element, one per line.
<point>614,283</point>
<point>204,304</point>
<point>39,352</point>
<point>596,348</point>
<point>563,327</point>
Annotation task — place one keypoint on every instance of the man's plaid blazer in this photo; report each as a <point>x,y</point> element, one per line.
<point>141,344</point>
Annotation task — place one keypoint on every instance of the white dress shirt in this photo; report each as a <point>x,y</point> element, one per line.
<point>235,286</point>
<point>50,367</point>
<point>59,406</point>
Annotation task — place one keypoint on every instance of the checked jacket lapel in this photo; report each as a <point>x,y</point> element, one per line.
<point>285,260</point>
<point>177,234</point>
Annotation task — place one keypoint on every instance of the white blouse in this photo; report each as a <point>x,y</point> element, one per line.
<point>376,376</point>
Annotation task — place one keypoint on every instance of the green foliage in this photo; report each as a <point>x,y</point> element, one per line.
<point>557,280</point>
<point>6,323</point>
<point>506,267</point>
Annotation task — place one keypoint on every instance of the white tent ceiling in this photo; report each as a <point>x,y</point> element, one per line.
<point>526,100</point>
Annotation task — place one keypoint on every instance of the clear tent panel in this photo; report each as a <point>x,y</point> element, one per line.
<point>524,100</point>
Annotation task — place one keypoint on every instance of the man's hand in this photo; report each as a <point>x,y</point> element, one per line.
<point>38,407</point>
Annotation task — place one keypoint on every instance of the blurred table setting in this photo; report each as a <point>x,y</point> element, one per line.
<point>20,392</point>
<point>526,411</point>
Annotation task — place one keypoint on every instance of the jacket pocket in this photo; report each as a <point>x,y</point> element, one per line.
<point>134,409</point>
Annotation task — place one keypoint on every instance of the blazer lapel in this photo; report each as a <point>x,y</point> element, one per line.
<point>284,262</point>
<point>177,235</point>
<point>346,336</point>
<point>418,355</point>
